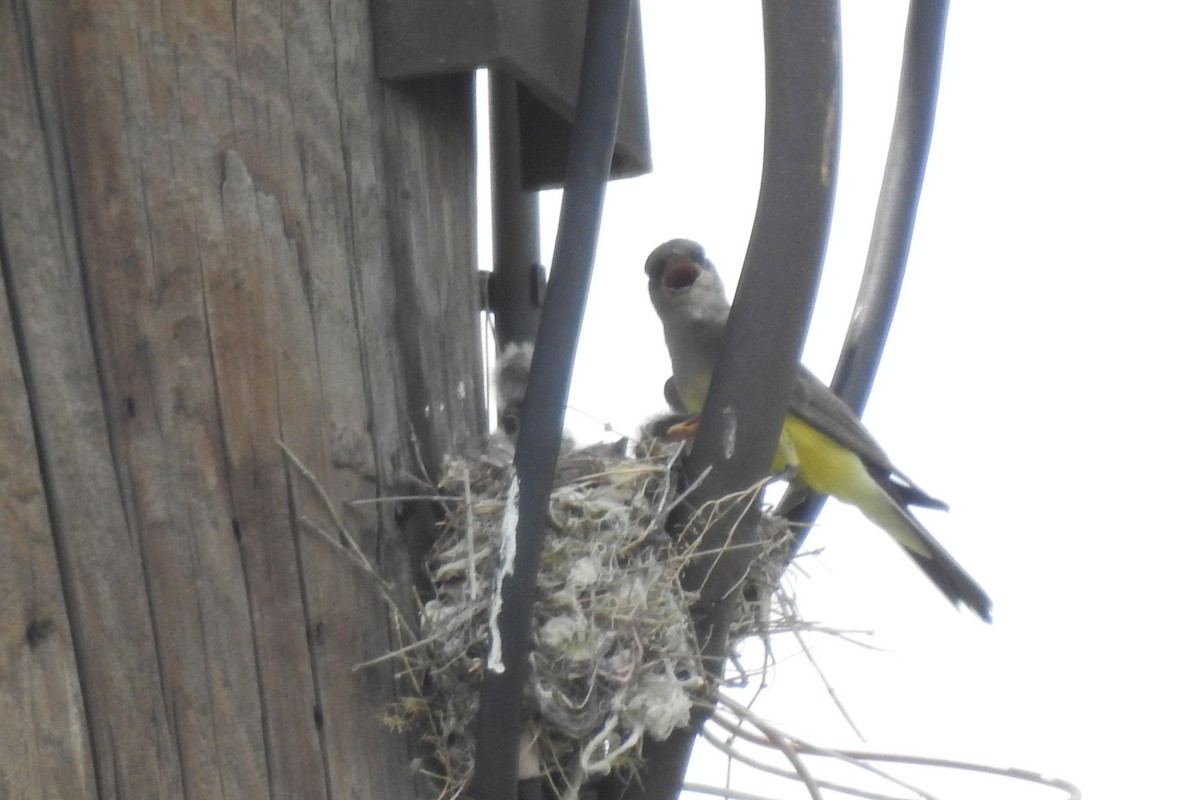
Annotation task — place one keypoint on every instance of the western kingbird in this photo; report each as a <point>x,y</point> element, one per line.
<point>822,437</point>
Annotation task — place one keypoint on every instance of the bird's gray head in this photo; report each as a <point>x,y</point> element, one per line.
<point>684,282</point>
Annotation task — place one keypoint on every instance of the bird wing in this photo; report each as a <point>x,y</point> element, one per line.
<point>815,403</point>
<point>695,343</point>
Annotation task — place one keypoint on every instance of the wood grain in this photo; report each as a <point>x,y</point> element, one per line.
<point>218,230</point>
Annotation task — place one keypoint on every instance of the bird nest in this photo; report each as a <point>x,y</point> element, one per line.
<point>614,657</point>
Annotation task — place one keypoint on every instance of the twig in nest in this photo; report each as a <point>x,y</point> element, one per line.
<point>345,541</point>
<point>733,753</point>
<point>472,585</point>
<point>1014,773</point>
<point>700,522</point>
<point>794,745</point>
<point>862,758</point>
<point>721,791</point>
<point>833,695</point>
<point>776,738</point>
<point>396,498</point>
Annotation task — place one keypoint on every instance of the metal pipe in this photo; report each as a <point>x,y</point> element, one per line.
<point>514,289</point>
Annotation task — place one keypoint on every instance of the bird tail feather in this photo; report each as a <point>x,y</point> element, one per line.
<point>933,559</point>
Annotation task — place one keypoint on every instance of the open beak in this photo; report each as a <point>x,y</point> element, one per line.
<point>680,274</point>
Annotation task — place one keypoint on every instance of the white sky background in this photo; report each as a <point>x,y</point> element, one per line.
<point>1040,374</point>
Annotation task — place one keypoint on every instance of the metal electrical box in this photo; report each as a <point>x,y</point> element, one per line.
<point>538,42</point>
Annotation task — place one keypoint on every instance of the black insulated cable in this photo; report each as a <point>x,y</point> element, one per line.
<point>895,218</point>
<point>744,408</point>
<point>498,725</point>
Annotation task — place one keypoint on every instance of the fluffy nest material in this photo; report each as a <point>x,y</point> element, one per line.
<point>614,655</point>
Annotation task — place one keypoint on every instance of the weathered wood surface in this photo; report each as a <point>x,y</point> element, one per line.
<point>217,229</point>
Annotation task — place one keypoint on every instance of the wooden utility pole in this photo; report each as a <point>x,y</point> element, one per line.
<point>218,229</point>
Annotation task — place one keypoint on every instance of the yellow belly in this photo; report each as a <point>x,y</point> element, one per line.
<point>821,463</point>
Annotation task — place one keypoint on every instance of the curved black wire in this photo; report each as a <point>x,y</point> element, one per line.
<point>744,411</point>
<point>498,724</point>
<point>895,217</point>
